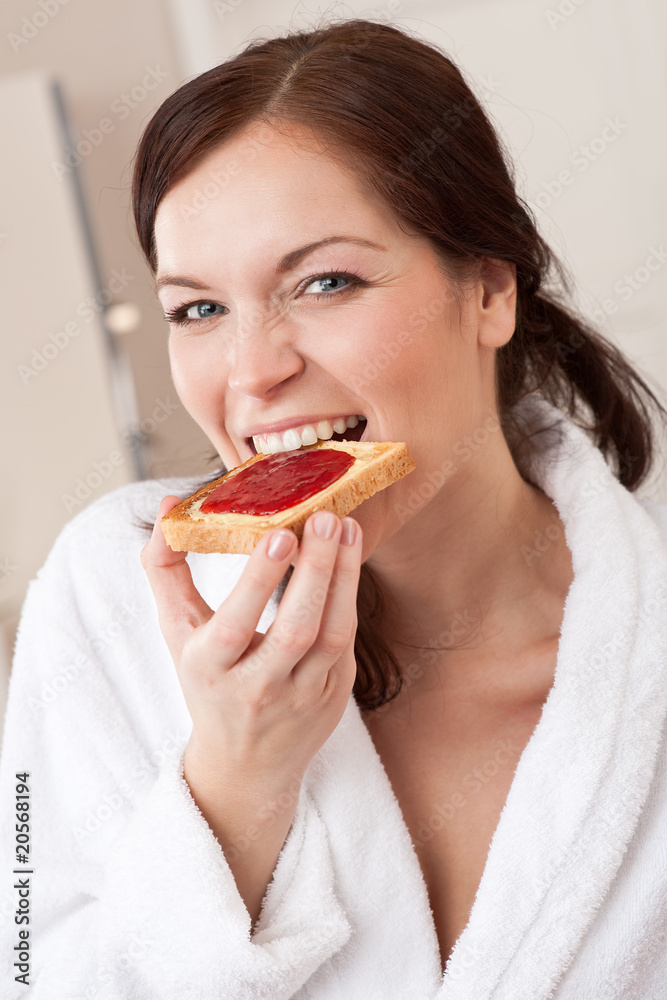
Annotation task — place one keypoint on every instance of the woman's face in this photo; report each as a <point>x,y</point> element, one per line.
<point>311,304</point>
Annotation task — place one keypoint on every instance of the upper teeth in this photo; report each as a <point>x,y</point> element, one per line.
<point>295,437</point>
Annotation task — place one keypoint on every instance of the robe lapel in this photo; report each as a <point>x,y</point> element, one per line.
<point>378,877</point>
<point>579,786</point>
<point>584,776</point>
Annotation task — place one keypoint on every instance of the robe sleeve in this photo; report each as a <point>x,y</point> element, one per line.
<point>132,896</point>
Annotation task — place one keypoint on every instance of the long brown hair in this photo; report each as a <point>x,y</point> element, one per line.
<point>400,114</point>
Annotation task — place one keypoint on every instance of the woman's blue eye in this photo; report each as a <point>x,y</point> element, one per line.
<point>330,282</point>
<point>198,312</point>
<point>203,310</point>
<point>183,314</point>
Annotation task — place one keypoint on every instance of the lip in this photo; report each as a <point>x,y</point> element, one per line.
<point>283,425</point>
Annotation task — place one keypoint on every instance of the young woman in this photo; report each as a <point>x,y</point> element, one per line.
<point>419,754</point>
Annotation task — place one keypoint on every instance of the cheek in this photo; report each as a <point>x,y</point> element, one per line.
<point>417,347</point>
<point>198,376</point>
<point>380,348</point>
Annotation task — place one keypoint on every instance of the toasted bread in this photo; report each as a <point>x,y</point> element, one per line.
<point>376,466</point>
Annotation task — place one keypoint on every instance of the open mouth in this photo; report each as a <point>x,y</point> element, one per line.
<point>355,433</point>
<point>351,433</point>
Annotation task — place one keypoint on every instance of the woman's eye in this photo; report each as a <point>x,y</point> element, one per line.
<point>325,284</point>
<point>202,310</point>
<point>193,313</point>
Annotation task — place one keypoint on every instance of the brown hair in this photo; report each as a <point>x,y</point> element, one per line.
<point>400,114</point>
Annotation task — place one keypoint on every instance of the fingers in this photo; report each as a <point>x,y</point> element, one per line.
<point>181,608</point>
<point>233,625</point>
<point>295,633</point>
<point>338,623</point>
<point>316,617</point>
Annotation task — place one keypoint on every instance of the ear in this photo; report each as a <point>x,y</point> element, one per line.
<point>496,302</point>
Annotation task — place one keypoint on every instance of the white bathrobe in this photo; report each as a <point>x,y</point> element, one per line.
<point>131,897</point>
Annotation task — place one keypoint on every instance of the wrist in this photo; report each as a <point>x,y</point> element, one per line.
<point>215,772</point>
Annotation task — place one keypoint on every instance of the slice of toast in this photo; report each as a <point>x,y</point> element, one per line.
<point>377,464</point>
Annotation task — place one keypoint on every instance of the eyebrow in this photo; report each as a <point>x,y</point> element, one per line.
<point>286,263</point>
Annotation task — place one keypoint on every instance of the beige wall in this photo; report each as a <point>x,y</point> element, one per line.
<point>115,61</point>
<point>59,421</point>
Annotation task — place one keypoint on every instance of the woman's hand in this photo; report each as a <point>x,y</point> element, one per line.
<point>263,703</point>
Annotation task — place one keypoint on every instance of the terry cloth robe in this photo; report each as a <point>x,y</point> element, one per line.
<point>131,897</point>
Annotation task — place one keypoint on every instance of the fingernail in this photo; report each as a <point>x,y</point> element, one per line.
<point>280,545</point>
<point>324,524</point>
<point>349,532</point>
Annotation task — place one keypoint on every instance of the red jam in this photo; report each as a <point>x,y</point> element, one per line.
<point>277,482</point>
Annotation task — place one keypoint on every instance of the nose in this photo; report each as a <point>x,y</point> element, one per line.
<point>262,357</point>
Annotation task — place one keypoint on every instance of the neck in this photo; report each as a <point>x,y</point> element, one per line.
<point>475,569</point>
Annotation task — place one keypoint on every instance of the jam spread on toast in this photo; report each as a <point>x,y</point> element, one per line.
<point>276,482</point>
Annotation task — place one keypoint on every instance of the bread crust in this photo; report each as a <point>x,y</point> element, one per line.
<point>377,465</point>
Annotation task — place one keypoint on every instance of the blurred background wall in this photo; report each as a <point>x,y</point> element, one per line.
<point>578,88</point>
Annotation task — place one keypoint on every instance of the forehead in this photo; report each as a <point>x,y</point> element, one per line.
<point>269,186</point>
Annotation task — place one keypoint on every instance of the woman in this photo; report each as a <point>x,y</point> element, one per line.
<point>429,738</point>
